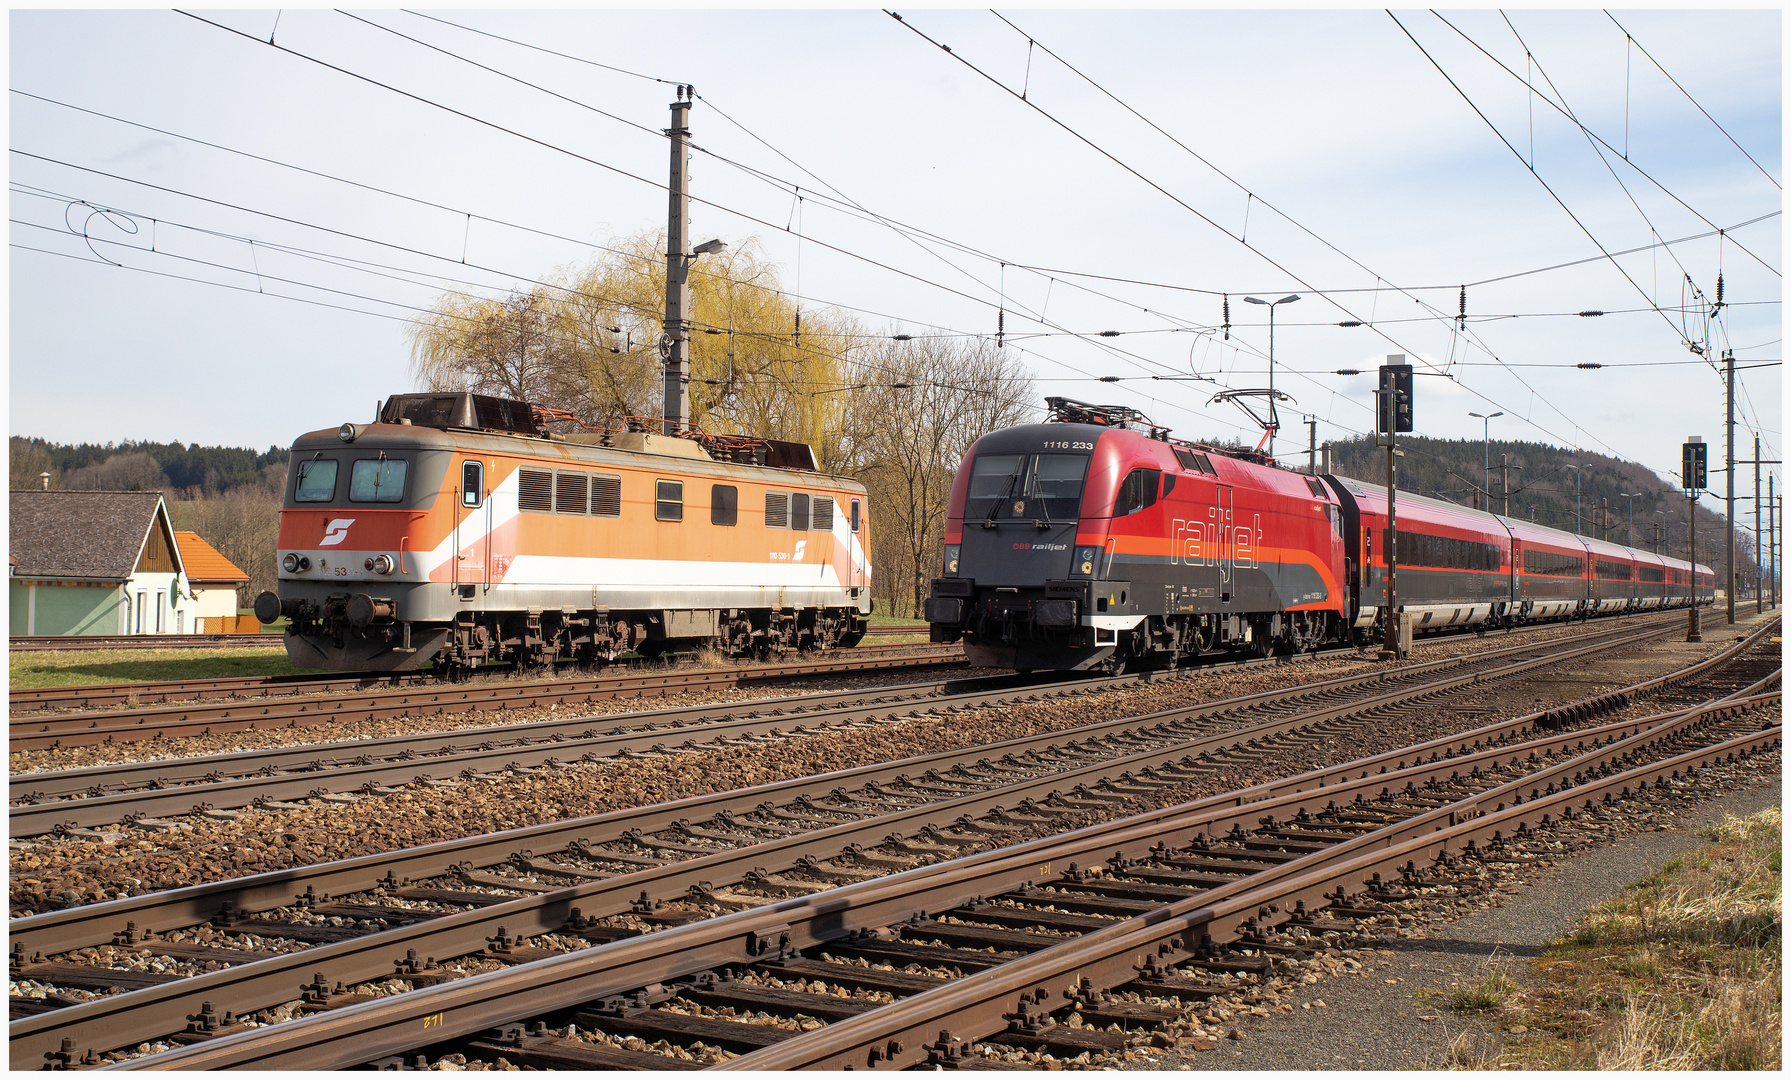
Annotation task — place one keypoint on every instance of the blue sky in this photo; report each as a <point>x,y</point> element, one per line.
<point>1334,118</point>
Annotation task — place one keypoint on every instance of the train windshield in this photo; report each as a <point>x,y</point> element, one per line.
<point>1034,487</point>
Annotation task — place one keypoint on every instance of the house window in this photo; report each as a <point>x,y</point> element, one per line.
<point>141,597</point>
<point>724,504</point>
<point>316,481</point>
<point>161,609</point>
<point>668,500</point>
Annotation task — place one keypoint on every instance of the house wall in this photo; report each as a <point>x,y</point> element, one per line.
<point>50,607</point>
<point>215,602</point>
<point>177,612</point>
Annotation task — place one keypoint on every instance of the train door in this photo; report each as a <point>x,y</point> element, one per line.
<point>472,530</point>
<point>1515,583</point>
<point>1227,543</point>
<point>855,547</point>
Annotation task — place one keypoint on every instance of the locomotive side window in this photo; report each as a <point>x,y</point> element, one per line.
<point>571,493</point>
<point>1317,489</point>
<point>376,481</point>
<point>668,500</point>
<point>799,511</point>
<point>606,495</point>
<point>316,481</point>
<point>534,490</point>
<point>472,483</point>
<point>1136,492</point>
<point>777,510</point>
<point>1168,484</point>
<point>724,504</point>
<point>822,513</point>
<point>854,515</point>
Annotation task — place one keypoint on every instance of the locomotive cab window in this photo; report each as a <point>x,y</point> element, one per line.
<point>472,483</point>
<point>668,500</point>
<point>724,504</point>
<point>316,481</point>
<point>379,480</point>
<point>1136,492</point>
<point>855,512</point>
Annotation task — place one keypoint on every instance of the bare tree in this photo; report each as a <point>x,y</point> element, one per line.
<point>244,525</point>
<point>924,404</point>
<point>120,472</point>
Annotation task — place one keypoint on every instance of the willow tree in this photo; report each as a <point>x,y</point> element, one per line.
<point>589,341</point>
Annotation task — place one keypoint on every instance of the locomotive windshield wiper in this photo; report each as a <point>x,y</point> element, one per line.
<point>995,507</point>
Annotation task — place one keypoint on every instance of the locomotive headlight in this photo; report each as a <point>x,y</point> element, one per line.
<point>951,559</point>
<point>347,432</point>
<point>1085,558</point>
<point>380,564</point>
<point>290,563</point>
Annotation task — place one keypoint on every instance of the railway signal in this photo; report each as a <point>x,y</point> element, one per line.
<point>1693,474</point>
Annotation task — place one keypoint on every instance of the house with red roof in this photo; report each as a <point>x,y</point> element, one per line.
<point>95,562</point>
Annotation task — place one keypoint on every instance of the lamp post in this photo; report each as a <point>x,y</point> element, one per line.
<point>1486,448</point>
<point>1576,496</point>
<point>1274,419</point>
<point>1629,512</point>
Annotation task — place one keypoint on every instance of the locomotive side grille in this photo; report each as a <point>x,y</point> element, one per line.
<point>571,493</point>
<point>799,510</point>
<point>823,513</point>
<point>606,495</point>
<point>777,510</point>
<point>534,490</point>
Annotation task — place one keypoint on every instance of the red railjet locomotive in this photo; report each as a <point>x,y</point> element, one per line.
<point>1094,541</point>
<point>456,530</point>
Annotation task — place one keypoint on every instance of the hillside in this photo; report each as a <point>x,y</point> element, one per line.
<point>1542,489</point>
<point>137,466</point>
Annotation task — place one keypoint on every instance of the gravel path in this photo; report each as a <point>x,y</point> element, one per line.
<point>1372,1021</point>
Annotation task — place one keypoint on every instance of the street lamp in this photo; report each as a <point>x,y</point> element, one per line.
<point>1576,496</point>
<point>1486,447</point>
<point>1274,420</point>
<point>1629,511</point>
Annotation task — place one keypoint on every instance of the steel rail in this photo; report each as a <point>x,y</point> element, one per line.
<point>78,927</point>
<point>43,698</point>
<point>984,1003</point>
<point>58,643</point>
<point>269,982</point>
<point>99,728</point>
<point>360,1033</point>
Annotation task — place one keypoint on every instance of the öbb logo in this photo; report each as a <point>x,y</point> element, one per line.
<point>335,532</point>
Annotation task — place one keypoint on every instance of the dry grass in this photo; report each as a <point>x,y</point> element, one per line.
<point>1680,972</point>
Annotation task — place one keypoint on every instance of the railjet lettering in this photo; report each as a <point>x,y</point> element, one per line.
<point>1191,543</point>
<point>1041,547</point>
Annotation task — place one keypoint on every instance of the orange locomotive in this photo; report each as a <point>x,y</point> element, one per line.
<point>455,530</point>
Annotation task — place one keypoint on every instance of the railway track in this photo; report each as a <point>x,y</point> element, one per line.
<point>91,728</point>
<point>957,803</point>
<point>69,698</point>
<point>67,643</point>
<point>65,800</point>
<point>998,944</point>
<point>64,643</point>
